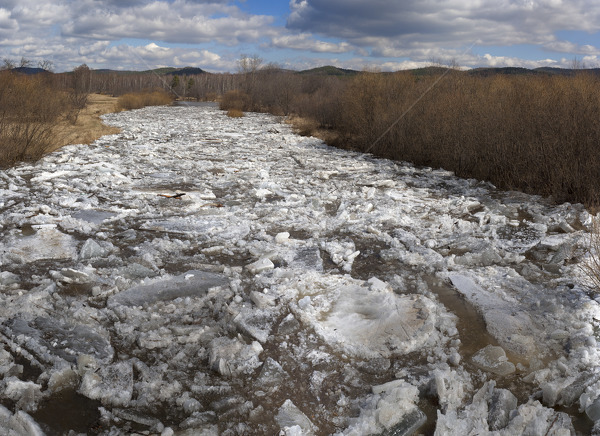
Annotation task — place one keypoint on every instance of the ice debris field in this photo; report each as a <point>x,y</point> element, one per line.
<point>202,275</point>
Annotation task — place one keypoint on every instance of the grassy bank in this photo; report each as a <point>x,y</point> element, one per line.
<point>38,116</point>
<point>88,126</point>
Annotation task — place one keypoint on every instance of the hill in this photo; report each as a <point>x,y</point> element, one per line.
<point>186,71</point>
<point>29,70</point>
<point>329,70</point>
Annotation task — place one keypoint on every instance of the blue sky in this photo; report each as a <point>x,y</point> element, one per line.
<point>299,34</point>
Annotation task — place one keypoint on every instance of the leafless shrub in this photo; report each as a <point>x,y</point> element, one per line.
<point>235,100</point>
<point>29,110</point>
<point>139,100</point>
<point>536,134</point>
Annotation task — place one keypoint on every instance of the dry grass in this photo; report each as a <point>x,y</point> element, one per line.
<point>139,100</point>
<point>309,127</point>
<point>235,113</point>
<point>88,126</point>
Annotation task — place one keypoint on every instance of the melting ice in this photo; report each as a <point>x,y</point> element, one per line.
<point>197,274</point>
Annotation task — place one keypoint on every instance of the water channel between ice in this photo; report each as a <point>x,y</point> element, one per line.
<point>198,274</point>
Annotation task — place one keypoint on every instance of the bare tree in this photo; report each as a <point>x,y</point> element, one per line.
<point>577,64</point>
<point>249,65</point>
<point>248,68</point>
<point>46,64</point>
<point>7,64</point>
<point>80,89</point>
<point>25,63</point>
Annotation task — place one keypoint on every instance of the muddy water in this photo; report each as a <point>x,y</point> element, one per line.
<point>472,332</point>
<point>67,411</point>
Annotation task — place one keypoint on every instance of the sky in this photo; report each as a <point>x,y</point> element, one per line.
<point>386,35</point>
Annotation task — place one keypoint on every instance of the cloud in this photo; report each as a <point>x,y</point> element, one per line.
<point>71,32</point>
<point>177,22</point>
<point>102,33</point>
<point>398,27</point>
<point>8,25</point>
<point>306,42</point>
<point>152,55</point>
<point>561,46</point>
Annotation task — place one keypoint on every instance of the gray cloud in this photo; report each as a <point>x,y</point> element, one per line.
<point>396,28</point>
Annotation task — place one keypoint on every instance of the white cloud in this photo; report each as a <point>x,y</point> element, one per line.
<point>179,22</point>
<point>71,32</point>
<point>571,47</point>
<point>306,42</point>
<point>149,56</point>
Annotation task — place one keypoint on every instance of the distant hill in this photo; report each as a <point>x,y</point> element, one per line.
<point>428,71</point>
<point>29,70</point>
<point>186,71</point>
<point>567,72</point>
<point>329,70</point>
<point>511,71</point>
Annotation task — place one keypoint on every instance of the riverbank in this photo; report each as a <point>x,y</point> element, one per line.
<point>89,125</point>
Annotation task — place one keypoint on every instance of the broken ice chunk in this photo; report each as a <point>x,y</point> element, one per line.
<point>398,400</point>
<point>288,325</point>
<point>47,243</point>
<point>263,264</point>
<point>371,321</point>
<point>91,249</point>
<point>8,278</point>
<point>191,284</point>
<point>409,423</point>
<point>25,394</point>
<point>18,424</point>
<point>290,416</point>
<point>271,376</point>
<point>262,193</point>
<point>63,379</point>
<point>233,357</point>
<point>256,323</point>
<point>501,404</point>
<point>593,410</point>
<point>112,384</point>
<point>282,237</point>
<point>263,300</point>
<point>51,340</point>
<point>308,258</point>
<point>493,359</point>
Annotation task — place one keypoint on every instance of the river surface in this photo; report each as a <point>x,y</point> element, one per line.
<point>199,274</point>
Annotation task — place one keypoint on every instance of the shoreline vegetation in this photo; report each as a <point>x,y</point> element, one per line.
<point>42,112</point>
<point>89,125</point>
<point>532,131</point>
